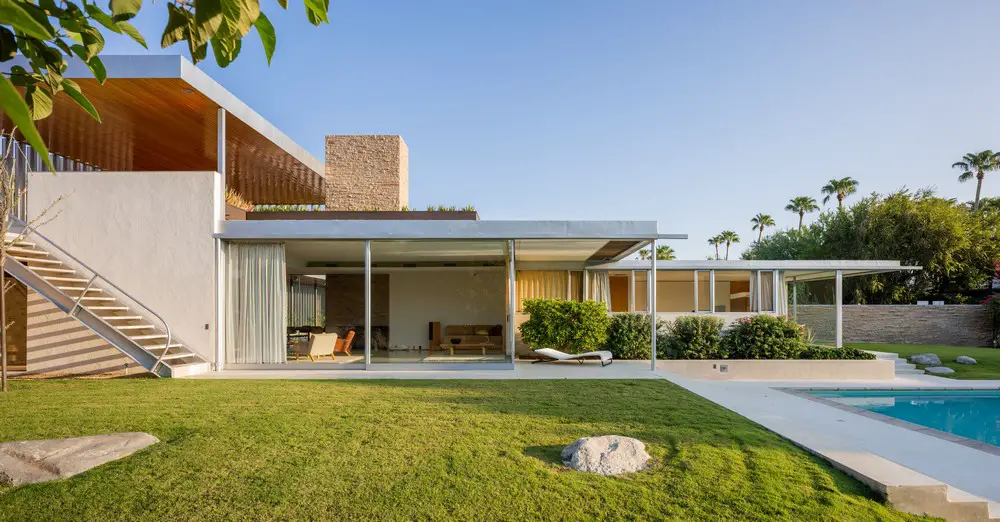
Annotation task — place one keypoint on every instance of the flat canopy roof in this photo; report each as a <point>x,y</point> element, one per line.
<point>801,270</point>
<point>452,240</point>
<point>160,112</point>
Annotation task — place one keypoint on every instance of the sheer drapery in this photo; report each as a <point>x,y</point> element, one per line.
<point>256,303</point>
<point>599,287</point>
<point>766,291</point>
<point>782,305</point>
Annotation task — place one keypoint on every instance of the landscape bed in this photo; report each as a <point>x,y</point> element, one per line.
<point>988,359</point>
<point>414,450</point>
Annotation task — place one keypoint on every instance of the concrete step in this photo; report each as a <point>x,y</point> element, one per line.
<point>910,372</point>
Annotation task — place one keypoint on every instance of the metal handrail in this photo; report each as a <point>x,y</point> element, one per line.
<point>96,275</point>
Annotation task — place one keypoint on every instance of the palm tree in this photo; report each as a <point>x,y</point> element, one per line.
<point>977,164</point>
<point>760,222</point>
<point>841,188</point>
<point>729,237</point>
<point>644,254</point>
<point>665,253</point>
<point>801,205</point>
<point>715,241</point>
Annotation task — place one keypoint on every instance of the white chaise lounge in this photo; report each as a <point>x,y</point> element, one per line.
<point>552,354</point>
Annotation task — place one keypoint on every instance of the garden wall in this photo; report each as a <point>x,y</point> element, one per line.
<point>959,325</point>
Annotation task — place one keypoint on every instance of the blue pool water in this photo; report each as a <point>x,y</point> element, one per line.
<point>974,414</point>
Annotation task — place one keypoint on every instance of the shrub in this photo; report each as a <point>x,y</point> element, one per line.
<point>629,336</point>
<point>993,307</point>
<point>570,326</point>
<point>764,337</point>
<point>821,352</point>
<point>694,337</point>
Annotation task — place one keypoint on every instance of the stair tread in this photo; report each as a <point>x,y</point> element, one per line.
<point>175,356</point>
<point>148,336</point>
<point>30,251</point>
<point>65,279</point>
<point>54,270</point>
<point>135,327</point>
<point>120,317</point>
<point>37,260</point>
<point>112,308</point>
<point>80,288</point>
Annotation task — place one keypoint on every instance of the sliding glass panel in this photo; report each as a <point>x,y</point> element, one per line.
<point>326,304</point>
<point>732,291</point>
<point>444,302</point>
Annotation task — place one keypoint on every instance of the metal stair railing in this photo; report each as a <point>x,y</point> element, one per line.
<point>24,230</point>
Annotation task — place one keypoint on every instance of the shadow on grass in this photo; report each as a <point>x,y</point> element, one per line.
<point>551,455</point>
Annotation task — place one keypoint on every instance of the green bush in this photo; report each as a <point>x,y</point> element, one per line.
<point>821,352</point>
<point>569,326</point>
<point>764,337</point>
<point>629,336</point>
<point>694,337</point>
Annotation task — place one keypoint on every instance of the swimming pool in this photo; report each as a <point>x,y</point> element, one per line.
<point>974,414</point>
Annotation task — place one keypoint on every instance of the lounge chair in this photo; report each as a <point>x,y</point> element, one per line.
<point>344,345</point>
<point>552,354</point>
<point>318,345</point>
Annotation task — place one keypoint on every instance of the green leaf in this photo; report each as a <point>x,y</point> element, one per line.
<point>102,18</point>
<point>316,11</point>
<point>95,64</point>
<point>73,90</point>
<point>39,102</point>
<point>226,50</point>
<point>8,45</point>
<point>122,10</point>
<point>267,37</point>
<point>177,26</point>
<point>17,110</point>
<point>283,4</point>
<point>207,20</point>
<point>133,33</point>
<point>26,18</point>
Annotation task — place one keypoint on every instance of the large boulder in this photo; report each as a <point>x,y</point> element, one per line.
<point>925,359</point>
<point>939,370</point>
<point>964,359</point>
<point>606,455</point>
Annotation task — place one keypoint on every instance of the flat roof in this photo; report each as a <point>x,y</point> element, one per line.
<point>802,270</point>
<point>450,229</point>
<point>159,113</point>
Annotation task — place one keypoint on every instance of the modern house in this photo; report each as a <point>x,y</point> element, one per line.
<point>141,265</point>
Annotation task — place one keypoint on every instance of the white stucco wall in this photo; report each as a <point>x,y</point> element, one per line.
<point>455,296</point>
<point>148,232</point>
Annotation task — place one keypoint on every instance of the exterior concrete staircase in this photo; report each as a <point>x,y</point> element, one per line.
<point>100,305</point>
<point>903,368</point>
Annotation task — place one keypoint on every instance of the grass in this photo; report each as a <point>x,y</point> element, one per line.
<point>348,450</point>
<point>987,359</point>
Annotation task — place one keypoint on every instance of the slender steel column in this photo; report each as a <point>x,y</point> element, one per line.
<point>512,304</point>
<point>221,259</point>
<point>840,309</point>
<point>368,303</point>
<point>652,302</point>
<point>631,291</point>
<point>711,291</point>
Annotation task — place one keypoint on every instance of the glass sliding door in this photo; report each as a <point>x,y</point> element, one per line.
<point>704,299</point>
<point>445,302</point>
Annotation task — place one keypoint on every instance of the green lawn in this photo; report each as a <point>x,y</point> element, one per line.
<point>349,450</point>
<point>988,359</point>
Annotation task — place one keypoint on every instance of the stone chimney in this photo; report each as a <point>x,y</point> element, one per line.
<point>367,172</point>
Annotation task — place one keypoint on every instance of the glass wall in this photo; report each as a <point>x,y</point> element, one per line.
<point>444,302</point>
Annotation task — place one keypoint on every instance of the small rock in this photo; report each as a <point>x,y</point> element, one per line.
<point>925,359</point>
<point>606,455</point>
<point>34,461</point>
<point>939,369</point>
<point>963,359</point>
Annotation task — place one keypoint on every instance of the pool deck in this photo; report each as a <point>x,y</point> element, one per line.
<point>824,429</point>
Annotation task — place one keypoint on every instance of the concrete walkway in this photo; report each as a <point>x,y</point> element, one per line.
<point>826,429</point>
<point>522,370</point>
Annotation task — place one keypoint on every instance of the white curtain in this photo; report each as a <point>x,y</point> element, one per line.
<point>256,303</point>
<point>767,291</point>
<point>782,307</point>
<point>753,292</point>
<point>599,287</point>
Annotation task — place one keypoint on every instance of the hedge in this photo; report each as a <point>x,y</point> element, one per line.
<point>569,326</point>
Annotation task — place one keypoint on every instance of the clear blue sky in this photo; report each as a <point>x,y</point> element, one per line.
<point>694,114</point>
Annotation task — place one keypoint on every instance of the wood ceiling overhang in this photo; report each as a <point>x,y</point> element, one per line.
<point>168,124</point>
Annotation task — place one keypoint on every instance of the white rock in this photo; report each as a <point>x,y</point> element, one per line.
<point>939,369</point>
<point>33,461</point>
<point>925,359</point>
<point>963,359</point>
<point>606,455</point>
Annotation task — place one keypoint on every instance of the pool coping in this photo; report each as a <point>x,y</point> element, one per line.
<point>950,437</point>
